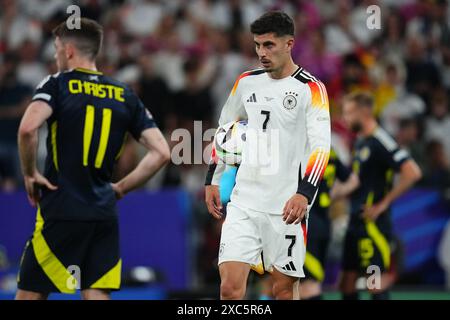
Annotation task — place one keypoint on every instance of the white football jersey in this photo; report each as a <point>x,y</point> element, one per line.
<point>287,140</point>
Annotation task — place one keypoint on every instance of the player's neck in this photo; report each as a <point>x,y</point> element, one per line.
<point>82,64</point>
<point>288,69</point>
<point>369,128</point>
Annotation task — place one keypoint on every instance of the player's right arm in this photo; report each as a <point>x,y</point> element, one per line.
<point>232,110</point>
<point>40,109</point>
<point>318,137</point>
<point>144,130</point>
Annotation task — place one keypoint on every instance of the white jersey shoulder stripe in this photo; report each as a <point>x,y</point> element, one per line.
<point>400,155</point>
<point>43,96</point>
<point>386,140</point>
<point>45,80</point>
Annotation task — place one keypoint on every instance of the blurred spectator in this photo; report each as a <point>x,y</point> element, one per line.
<point>422,73</point>
<point>14,97</point>
<point>31,70</point>
<point>432,26</point>
<point>409,137</point>
<point>228,65</point>
<point>353,77</point>
<point>358,23</point>
<point>338,35</point>
<point>316,58</point>
<point>154,92</point>
<point>194,101</point>
<point>437,170</point>
<point>437,125</point>
<point>15,26</point>
<point>393,35</point>
<point>141,18</point>
<point>394,102</point>
<point>169,62</point>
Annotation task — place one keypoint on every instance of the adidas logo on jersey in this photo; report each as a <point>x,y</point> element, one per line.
<point>252,98</point>
<point>289,267</point>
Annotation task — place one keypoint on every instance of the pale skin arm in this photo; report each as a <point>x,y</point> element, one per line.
<point>157,156</point>
<point>35,115</point>
<point>212,199</point>
<point>410,173</point>
<point>342,189</point>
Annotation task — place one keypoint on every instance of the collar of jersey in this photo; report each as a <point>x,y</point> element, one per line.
<point>88,71</point>
<point>297,71</point>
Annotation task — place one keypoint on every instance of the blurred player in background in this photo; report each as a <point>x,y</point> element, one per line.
<point>266,208</point>
<point>319,228</point>
<point>376,157</point>
<point>88,115</point>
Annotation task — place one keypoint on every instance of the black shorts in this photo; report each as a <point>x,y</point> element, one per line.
<point>367,244</point>
<point>62,256</point>
<point>316,246</point>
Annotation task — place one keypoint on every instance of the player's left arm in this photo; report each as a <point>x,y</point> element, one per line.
<point>409,173</point>
<point>35,115</point>
<point>318,134</point>
<point>144,129</point>
<point>158,155</point>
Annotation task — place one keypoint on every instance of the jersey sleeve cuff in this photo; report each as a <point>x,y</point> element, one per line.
<point>45,97</point>
<point>307,189</point>
<point>210,175</point>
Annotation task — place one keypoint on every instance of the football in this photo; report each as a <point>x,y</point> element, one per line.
<point>229,141</point>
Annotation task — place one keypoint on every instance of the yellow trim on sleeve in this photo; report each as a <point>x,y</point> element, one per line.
<point>54,128</point>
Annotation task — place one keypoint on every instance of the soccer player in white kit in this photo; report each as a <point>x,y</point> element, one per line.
<point>288,115</point>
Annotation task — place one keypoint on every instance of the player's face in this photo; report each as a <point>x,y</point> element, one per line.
<point>60,54</point>
<point>273,52</point>
<point>352,116</point>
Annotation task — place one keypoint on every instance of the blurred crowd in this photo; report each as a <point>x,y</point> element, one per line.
<point>182,58</point>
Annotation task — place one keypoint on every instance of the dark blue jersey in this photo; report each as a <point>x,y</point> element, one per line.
<point>375,160</point>
<point>92,114</point>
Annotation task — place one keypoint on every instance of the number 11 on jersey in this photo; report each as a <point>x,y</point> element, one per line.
<point>89,130</point>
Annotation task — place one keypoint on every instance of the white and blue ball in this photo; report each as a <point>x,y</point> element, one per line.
<point>229,142</point>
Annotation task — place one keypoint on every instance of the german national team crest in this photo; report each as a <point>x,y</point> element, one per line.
<point>290,101</point>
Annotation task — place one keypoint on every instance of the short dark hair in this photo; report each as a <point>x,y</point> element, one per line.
<point>361,98</point>
<point>87,39</point>
<point>277,22</point>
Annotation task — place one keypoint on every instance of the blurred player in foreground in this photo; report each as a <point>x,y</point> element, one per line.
<point>287,112</point>
<point>376,156</point>
<point>88,115</point>
<point>319,228</point>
